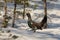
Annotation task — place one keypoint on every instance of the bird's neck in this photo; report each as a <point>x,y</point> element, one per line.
<point>29,19</point>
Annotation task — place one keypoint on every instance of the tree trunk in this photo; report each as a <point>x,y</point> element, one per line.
<point>45,7</point>
<point>24,12</point>
<point>5,7</point>
<point>4,21</point>
<point>45,11</point>
<point>14,14</point>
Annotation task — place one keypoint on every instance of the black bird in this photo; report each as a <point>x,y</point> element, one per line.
<point>34,26</point>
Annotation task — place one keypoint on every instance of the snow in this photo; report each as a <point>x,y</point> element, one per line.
<point>52,33</point>
<point>24,32</point>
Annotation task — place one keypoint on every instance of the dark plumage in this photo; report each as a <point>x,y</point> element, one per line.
<point>35,25</point>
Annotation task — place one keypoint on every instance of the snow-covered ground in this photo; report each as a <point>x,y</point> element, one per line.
<point>23,31</point>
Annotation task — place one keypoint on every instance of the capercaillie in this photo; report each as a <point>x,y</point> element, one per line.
<point>34,26</point>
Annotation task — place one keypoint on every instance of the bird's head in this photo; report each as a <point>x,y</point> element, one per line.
<point>28,15</point>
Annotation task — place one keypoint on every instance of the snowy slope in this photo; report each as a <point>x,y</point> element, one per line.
<point>23,31</point>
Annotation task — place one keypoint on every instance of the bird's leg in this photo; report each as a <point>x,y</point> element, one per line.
<point>41,28</point>
<point>34,29</point>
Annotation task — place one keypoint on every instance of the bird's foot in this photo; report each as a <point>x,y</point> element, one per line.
<point>34,31</point>
<point>41,28</point>
<point>31,30</point>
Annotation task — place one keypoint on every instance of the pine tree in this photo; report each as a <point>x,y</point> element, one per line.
<point>45,11</point>
<point>5,15</point>
<point>14,14</point>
